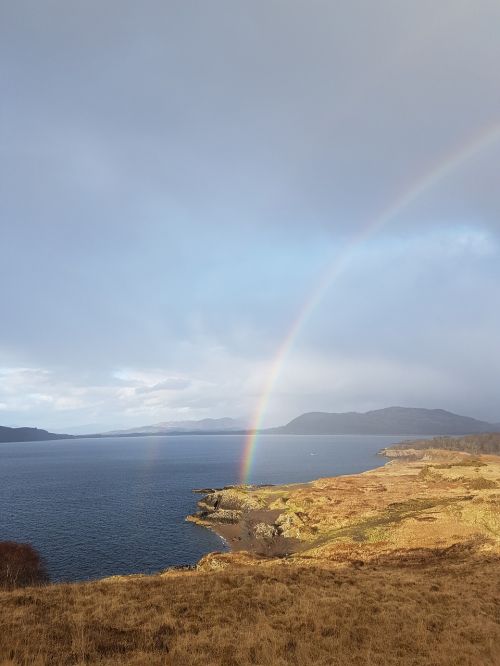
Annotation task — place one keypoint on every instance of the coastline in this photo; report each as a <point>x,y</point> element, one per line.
<point>406,555</point>
<point>427,498</point>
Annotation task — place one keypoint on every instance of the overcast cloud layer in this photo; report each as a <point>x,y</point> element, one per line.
<point>176,176</point>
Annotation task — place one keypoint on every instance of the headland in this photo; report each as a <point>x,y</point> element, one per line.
<point>423,498</point>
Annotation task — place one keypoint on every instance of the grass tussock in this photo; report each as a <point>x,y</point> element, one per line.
<point>439,610</point>
<point>482,484</point>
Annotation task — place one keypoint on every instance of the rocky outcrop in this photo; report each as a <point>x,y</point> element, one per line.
<point>218,561</point>
<point>291,524</point>
<point>242,516</point>
<point>402,453</point>
<point>265,532</point>
<point>224,506</point>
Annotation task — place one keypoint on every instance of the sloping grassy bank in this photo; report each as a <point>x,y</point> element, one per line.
<point>421,608</point>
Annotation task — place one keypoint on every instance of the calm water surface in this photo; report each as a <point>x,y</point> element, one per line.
<point>97,507</point>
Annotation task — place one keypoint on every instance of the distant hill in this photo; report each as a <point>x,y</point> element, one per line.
<point>28,435</point>
<point>389,421</point>
<point>203,425</point>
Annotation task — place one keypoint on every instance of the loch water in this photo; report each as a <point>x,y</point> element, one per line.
<point>97,507</point>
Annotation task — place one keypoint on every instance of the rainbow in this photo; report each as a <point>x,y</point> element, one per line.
<point>437,172</point>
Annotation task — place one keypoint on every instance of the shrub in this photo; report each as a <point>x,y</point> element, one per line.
<point>20,565</point>
<point>481,483</point>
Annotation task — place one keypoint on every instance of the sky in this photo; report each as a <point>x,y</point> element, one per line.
<point>176,179</point>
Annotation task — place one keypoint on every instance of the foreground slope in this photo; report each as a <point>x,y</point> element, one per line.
<point>426,609</point>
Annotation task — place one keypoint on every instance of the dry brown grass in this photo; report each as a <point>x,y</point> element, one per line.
<point>429,608</point>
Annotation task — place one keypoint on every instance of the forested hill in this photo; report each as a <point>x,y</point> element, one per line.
<point>28,435</point>
<point>485,443</point>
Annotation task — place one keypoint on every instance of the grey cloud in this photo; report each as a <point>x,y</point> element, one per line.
<point>175,177</point>
<point>212,108</point>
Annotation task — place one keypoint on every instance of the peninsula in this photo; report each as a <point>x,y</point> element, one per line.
<point>425,498</point>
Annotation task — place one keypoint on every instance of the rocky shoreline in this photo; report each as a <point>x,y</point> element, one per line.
<point>421,498</point>
<point>243,521</point>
